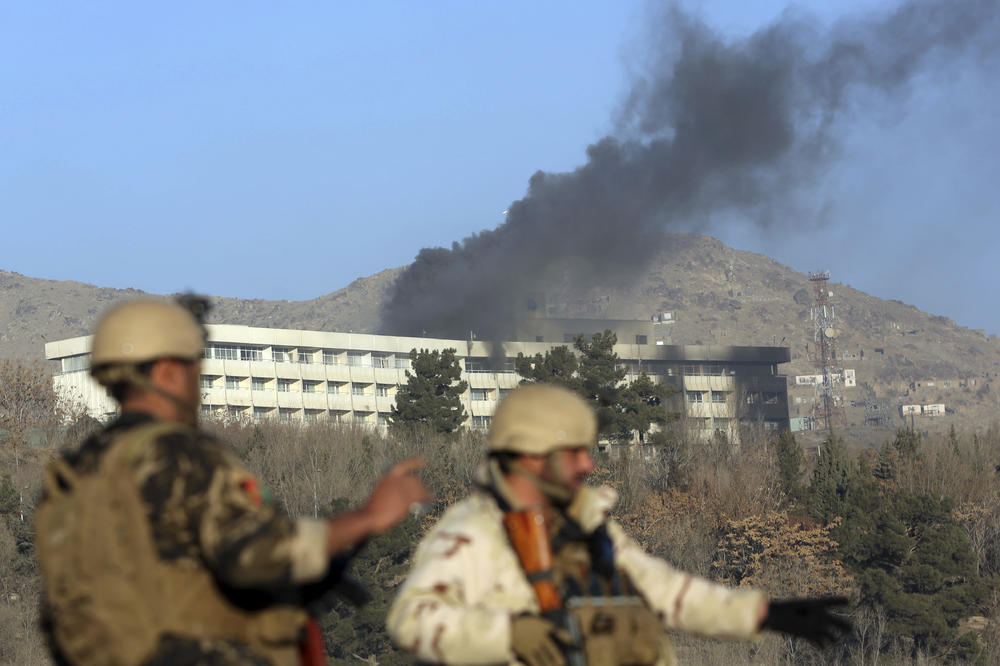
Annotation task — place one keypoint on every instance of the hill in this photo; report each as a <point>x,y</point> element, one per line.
<point>715,295</point>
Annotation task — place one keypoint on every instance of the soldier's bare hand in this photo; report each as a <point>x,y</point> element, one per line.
<point>396,492</point>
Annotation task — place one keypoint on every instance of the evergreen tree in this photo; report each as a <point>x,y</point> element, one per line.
<point>907,551</point>
<point>830,481</point>
<point>790,465</point>
<point>432,395</point>
<point>557,366</point>
<point>911,557</point>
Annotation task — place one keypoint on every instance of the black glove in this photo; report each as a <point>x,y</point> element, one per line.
<point>808,618</point>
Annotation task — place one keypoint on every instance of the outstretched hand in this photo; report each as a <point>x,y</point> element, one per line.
<point>396,492</point>
<point>812,619</point>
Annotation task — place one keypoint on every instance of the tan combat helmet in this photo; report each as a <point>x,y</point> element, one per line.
<point>537,419</point>
<point>145,330</point>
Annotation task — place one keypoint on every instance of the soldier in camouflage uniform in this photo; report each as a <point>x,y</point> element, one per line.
<point>471,598</point>
<point>186,560</point>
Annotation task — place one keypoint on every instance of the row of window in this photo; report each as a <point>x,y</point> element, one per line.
<point>720,397</point>
<point>332,387</point>
<point>717,397</point>
<point>292,415</point>
<point>283,385</point>
<point>232,352</point>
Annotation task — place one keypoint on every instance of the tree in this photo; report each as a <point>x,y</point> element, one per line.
<point>558,366</point>
<point>790,464</point>
<point>29,406</point>
<point>831,479</point>
<point>432,395</point>
<point>913,559</point>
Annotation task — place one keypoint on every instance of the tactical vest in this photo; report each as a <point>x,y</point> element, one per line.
<point>582,590</point>
<point>110,596</point>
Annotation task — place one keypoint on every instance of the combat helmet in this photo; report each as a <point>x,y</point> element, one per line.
<point>537,419</point>
<point>144,330</point>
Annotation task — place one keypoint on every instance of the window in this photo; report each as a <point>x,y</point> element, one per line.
<point>641,340</point>
<point>358,358</point>
<point>718,396</point>
<point>226,352</point>
<point>234,383</point>
<point>694,396</point>
<point>251,354</point>
<point>259,383</point>
<point>334,387</point>
<point>309,386</point>
<point>286,413</point>
<point>567,337</point>
<point>382,390</point>
<point>361,417</point>
<point>383,419</point>
<point>306,356</point>
<point>285,385</point>
<point>481,422</point>
<point>261,413</point>
<point>715,370</point>
<point>281,354</point>
<point>207,382</point>
<point>690,370</point>
<point>539,338</point>
<point>771,398</point>
<point>74,363</point>
<point>312,415</point>
<point>504,393</point>
<point>381,361</point>
<point>480,394</point>
<point>235,412</point>
<point>753,398</point>
<point>402,362</point>
<point>359,389</point>
<point>329,357</point>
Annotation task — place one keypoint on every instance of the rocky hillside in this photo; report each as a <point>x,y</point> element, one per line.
<point>715,294</point>
<point>34,311</point>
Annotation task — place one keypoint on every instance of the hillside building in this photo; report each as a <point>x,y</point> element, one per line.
<point>301,376</point>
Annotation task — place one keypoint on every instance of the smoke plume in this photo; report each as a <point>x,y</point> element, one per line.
<point>712,127</point>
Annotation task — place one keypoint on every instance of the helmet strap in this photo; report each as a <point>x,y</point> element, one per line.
<point>129,374</point>
<point>560,494</point>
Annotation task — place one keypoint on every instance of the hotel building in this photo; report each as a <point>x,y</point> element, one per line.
<point>301,376</point>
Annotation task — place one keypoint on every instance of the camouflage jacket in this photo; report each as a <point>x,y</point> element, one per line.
<point>456,605</point>
<point>206,510</point>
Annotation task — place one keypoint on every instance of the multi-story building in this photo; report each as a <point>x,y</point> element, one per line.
<point>292,375</point>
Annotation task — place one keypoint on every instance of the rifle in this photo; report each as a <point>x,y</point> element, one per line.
<point>529,535</point>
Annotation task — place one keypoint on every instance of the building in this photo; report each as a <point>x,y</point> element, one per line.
<point>301,376</point>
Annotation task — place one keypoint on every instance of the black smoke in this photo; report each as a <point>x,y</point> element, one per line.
<point>714,127</point>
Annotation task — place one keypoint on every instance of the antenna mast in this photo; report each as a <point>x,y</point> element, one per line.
<point>828,406</point>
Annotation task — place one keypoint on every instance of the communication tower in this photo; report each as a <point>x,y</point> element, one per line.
<point>828,407</point>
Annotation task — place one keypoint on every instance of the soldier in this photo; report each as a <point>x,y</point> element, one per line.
<point>157,546</point>
<point>530,569</point>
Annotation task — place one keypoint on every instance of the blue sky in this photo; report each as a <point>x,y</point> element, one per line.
<point>282,150</point>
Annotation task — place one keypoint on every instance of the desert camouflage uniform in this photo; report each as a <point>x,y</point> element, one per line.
<point>207,511</point>
<point>456,605</point>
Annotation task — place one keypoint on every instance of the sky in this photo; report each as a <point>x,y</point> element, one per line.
<point>282,150</point>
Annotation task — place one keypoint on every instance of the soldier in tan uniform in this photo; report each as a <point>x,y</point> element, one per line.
<point>529,568</point>
<point>157,545</point>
